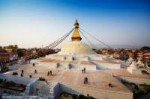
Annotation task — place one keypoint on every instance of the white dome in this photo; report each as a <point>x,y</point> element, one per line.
<point>76,47</point>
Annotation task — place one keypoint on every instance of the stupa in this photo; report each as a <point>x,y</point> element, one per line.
<point>77,55</point>
<point>76,47</point>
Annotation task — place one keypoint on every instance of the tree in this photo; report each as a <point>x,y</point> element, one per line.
<point>20,52</point>
<point>124,55</point>
<point>145,48</point>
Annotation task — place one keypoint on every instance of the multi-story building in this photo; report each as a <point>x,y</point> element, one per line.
<point>4,55</point>
<point>116,55</point>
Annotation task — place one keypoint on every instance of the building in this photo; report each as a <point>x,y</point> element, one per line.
<point>147,55</point>
<point>116,54</point>
<point>4,55</point>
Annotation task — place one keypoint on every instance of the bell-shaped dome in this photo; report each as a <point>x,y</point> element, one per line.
<point>76,47</point>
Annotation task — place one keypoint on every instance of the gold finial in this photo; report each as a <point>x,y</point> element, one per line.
<point>76,35</point>
<point>76,25</point>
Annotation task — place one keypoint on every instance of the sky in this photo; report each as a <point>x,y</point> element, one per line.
<point>37,23</point>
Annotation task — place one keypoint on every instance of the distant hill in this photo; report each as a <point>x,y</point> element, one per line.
<point>120,46</point>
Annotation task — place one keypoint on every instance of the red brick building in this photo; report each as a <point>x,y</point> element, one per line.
<point>4,55</point>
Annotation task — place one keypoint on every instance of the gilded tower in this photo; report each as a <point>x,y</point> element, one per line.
<point>76,35</point>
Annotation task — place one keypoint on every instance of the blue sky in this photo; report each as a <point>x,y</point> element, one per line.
<point>33,23</point>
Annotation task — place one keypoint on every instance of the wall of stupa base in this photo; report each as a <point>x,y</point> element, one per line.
<point>20,97</point>
<point>65,65</point>
<point>21,80</point>
<point>82,67</point>
<point>97,93</point>
<point>107,66</point>
<point>136,80</point>
<point>80,61</point>
<point>75,58</point>
<point>70,66</point>
<point>62,88</point>
<point>68,57</point>
<point>16,79</point>
<point>77,66</point>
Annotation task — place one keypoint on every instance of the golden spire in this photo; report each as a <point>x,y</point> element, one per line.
<point>76,35</point>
